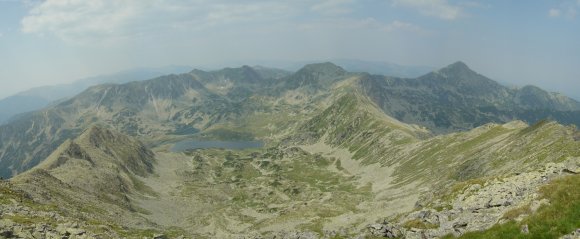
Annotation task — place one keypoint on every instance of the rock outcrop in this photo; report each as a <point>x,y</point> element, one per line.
<point>478,206</point>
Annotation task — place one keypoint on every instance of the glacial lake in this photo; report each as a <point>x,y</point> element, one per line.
<point>193,144</point>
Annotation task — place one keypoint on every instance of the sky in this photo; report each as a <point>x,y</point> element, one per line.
<point>515,42</point>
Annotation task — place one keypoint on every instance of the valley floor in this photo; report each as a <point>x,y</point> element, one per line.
<point>191,196</point>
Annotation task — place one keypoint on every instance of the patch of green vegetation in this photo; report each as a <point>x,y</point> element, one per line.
<point>508,230</point>
<point>441,208</point>
<point>516,212</point>
<point>7,195</point>
<point>419,224</point>
<point>227,134</point>
<point>534,127</point>
<point>338,165</point>
<point>182,129</point>
<point>283,189</point>
<point>450,193</point>
<point>558,218</point>
<point>29,220</point>
<point>316,226</point>
<point>142,187</point>
<point>124,232</point>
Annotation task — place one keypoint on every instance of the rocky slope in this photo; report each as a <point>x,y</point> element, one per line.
<point>100,165</point>
<point>87,188</point>
<point>477,205</point>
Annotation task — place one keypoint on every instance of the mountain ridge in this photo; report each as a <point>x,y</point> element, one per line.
<point>192,102</point>
<point>98,162</point>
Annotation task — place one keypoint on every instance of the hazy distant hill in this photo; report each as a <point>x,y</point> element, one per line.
<point>457,98</point>
<point>39,97</point>
<point>383,68</point>
<point>352,65</point>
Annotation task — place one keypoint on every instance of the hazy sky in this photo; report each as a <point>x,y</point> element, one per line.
<point>520,42</point>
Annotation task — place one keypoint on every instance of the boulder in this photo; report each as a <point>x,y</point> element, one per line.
<point>159,236</point>
<point>386,230</point>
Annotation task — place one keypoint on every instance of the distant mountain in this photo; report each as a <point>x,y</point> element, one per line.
<point>314,76</point>
<point>383,68</point>
<point>222,103</point>
<point>171,104</point>
<point>457,98</point>
<point>39,97</point>
<point>16,104</point>
<point>352,65</point>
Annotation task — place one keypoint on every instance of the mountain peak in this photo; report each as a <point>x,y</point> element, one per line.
<point>316,75</point>
<point>97,136</point>
<point>458,65</point>
<point>325,67</point>
<point>458,70</point>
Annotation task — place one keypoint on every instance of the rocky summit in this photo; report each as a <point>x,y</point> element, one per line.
<point>317,153</point>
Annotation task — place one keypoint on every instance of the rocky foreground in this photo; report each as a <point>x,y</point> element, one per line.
<point>475,205</point>
<point>478,205</point>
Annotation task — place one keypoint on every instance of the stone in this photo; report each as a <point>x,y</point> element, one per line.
<point>572,167</point>
<point>424,214</point>
<point>574,235</point>
<point>525,229</point>
<point>61,229</point>
<point>159,236</point>
<point>37,235</point>
<point>460,224</point>
<point>75,231</point>
<point>40,227</point>
<point>6,223</point>
<point>384,230</point>
<point>535,205</point>
<point>6,233</point>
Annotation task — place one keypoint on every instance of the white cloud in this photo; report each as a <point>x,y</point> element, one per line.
<point>554,12</point>
<point>571,13</point>
<point>367,24</point>
<point>433,8</point>
<point>568,9</point>
<point>333,7</point>
<point>403,26</point>
<point>105,21</point>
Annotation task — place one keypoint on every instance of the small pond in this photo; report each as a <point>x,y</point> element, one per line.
<point>194,144</point>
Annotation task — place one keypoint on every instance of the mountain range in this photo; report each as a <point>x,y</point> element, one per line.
<point>40,97</point>
<point>345,154</point>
